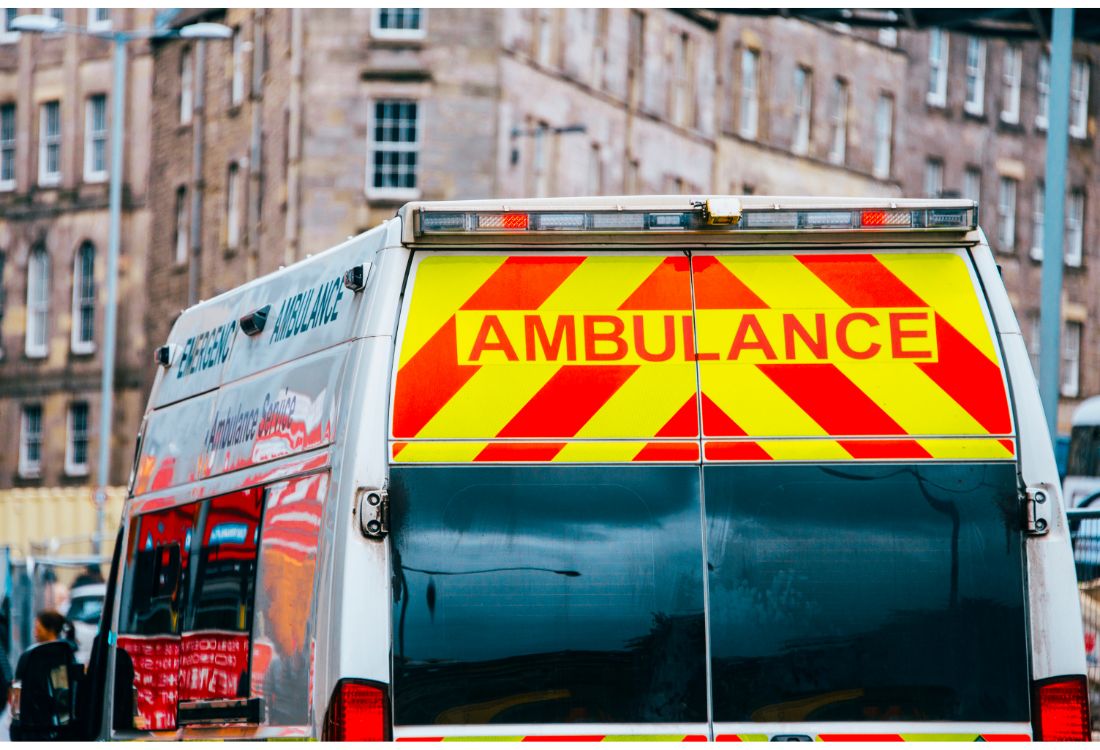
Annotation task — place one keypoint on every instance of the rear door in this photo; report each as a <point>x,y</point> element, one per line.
<point>863,542</point>
<point>835,553</point>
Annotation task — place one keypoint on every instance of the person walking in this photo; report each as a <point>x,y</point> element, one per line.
<point>43,677</point>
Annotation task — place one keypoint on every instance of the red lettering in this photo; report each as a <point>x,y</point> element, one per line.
<point>897,334</point>
<point>842,335</point>
<point>564,330</point>
<point>670,339</point>
<point>615,336</point>
<point>491,324</point>
<point>741,342</point>
<point>819,347</point>
<point>689,343</point>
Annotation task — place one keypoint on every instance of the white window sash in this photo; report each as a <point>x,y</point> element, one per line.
<point>1075,215</point>
<point>1071,359</point>
<point>182,225</point>
<point>1006,210</point>
<point>187,81</point>
<point>839,143</point>
<point>81,305</point>
<point>7,36</point>
<point>373,147</point>
<point>7,151</point>
<point>937,92</point>
<point>750,87</point>
<point>232,208</point>
<point>28,467</point>
<point>377,31</point>
<point>95,24</point>
<point>38,306</point>
<point>48,141</point>
<point>975,99</point>
<point>91,138</point>
<point>884,127</point>
<point>236,85</point>
<point>1037,219</point>
<point>1013,67</point>
<point>72,468</point>
<point>1079,99</point>
<point>1042,92</point>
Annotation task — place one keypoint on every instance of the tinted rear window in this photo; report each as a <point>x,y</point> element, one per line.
<point>547,594</point>
<point>864,593</point>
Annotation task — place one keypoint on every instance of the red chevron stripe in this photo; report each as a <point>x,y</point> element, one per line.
<point>684,423</point>
<point>969,377</point>
<point>669,452</point>
<point>860,738</point>
<point>667,288</point>
<point>884,449</point>
<point>1006,737</point>
<point>717,423</point>
<point>523,282</point>
<point>567,401</point>
<point>566,738</point>
<point>397,448</point>
<point>502,452</point>
<point>738,450</point>
<point>861,280</point>
<point>718,289</point>
<point>428,381</point>
<point>832,400</point>
<point>1009,445</point>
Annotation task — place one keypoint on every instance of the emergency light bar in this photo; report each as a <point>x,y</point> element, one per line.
<point>432,222</point>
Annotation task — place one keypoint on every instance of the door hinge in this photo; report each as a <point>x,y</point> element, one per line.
<point>1037,509</point>
<point>374,513</point>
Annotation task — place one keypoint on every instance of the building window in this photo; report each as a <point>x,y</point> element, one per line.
<point>83,333</point>
<point>933,178</point>
<point>1034,339</point>
<point>1071,359</point>
<point>937,68</point>
<point>1013,65</point>
<point>7,15</point>
<point>394,146</point>
<point>803,102</point>
<point>750,93</point>
<point>99,19</point>
<point>38,303</point>
<point>972,184</point>
<point>884,136</point>
<point>544,36</point>
<point>187,84</point>
<point>1079,99</point>
<point>181,226</point>
<point>1075,228</point>
<point>975,75</point>
<point>1037,209</point>
<point>681,89</point>
<point>838,119</point>
<point>1042,92</point>
<point>3,301</point>
<point>398,23</point>
<point>95,139</point>
<point>636,55</point>
<point>56,13</point>
<point>595,171</point>
<point>30,441</point>
<point>888,35</point>
<point>1006,215</point>
<point>76,446</point>
<point>233,207</point>
<point>7,146</point>
<point>236,78</point>
<point>49,144</point>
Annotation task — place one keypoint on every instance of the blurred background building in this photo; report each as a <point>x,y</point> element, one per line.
<point>311,125</point>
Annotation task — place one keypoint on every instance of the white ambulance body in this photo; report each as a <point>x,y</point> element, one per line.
<point>640,467</point>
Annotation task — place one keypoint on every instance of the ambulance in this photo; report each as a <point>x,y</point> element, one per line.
<point>619,468</point>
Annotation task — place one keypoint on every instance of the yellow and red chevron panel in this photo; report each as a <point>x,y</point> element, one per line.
<point>857,355</point>
<point>547,358</point>
<point>906,737</point>
<point>801,356</point>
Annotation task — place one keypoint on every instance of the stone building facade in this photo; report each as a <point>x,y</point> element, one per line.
<point>55,103</point>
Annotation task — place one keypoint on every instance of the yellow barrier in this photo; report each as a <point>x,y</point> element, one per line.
<point>55,520</point>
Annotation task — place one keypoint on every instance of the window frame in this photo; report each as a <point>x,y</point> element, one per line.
<point>1038,218</point>
<point>933,177</point>
<point>1042,92</point>
<point>1070,381</point>
<point>936,93</point>
<point>38,309</point>
<point>72,468</point>
<point>974,103</point>
<point>187,86</point>
<point>1012,62</point>
<point>99,24</point>
<point>379,32</point>
<point>181,228</point>
<point>748,125</point>
<point>28,468</point>
<point>9,146</point>
<point>233,232</point>
<point>883,138</point>
<point>48,141</point>
<point>7,36</point>
<point>83,305</point>
<point>803,110</point>
<point>838,119</point>
<point>972,183</point>
<point>92,136</point>
<point>1073,250</point>
<point>391,192</point>
<point>1079,98</point>
<point>1006,214</point>
<point>236,73</point>
<point>3,298</point>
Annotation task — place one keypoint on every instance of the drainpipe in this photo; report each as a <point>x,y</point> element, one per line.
<point>255,164</point>
<point>198,123</point>
<point>294,138</point>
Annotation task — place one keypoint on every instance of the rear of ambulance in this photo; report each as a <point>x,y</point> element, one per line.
<point>718,469</point>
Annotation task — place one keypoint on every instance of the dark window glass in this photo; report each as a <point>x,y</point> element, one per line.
<point>866,593</point>
<point>1084,451</point>
<point>547,594</point>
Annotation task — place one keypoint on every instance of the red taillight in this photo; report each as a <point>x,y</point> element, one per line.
<point>1060,709</point>
<point>358,712</point>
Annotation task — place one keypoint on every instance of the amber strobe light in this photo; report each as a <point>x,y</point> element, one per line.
<point>1060,709</point>
<point>358,712</point>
